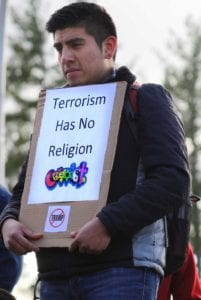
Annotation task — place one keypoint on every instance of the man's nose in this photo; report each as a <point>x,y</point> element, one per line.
<point>66,55</point>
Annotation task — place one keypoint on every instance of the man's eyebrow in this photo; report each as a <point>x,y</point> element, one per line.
<point>73,40</point>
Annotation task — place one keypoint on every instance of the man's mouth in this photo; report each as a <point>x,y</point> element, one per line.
<point>68,71</point>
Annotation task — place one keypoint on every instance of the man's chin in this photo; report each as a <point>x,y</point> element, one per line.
<point>73,81</point>
<point>76,82</point>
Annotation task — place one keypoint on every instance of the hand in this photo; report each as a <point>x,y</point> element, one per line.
<point>92,238</point>
<point>18,238</point>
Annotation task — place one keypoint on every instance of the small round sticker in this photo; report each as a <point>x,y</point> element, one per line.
<point>57,217</point>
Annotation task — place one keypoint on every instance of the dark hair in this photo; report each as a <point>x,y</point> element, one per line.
<point>94,18</point>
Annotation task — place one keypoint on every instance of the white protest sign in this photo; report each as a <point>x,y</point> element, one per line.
<point>72,143</point>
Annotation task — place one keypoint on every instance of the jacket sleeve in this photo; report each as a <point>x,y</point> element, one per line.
<point>12,209</point>
<point>164,158</point>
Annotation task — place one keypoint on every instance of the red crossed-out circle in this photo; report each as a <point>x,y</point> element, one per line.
<point>57,217</point>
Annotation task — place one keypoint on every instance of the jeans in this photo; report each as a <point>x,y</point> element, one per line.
<point>109,284</point>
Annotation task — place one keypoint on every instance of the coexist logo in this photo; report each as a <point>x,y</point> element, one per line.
<point>75,175</point>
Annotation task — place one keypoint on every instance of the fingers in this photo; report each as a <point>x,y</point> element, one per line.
<point>77,245</point>
<point>32,235</point>
<point>92,238</point>
<point>20,244</point>
<point>26,243</point>
<point>80,245</point>
<point>19,248</point>
<point>19,238</point>
<point>74,246</point>
<point>73,234</point>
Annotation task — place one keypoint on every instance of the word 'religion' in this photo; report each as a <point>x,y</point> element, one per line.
<point>69,151</point>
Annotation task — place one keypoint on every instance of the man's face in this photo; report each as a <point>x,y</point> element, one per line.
<point>80,58</point>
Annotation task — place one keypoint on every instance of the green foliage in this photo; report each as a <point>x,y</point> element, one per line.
<point>183,79</point>
<point>29,69</point>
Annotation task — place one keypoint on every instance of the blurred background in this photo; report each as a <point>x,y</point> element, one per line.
<point>159,40</point>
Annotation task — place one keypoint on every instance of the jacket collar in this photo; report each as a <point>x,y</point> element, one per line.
<point>121,74</point>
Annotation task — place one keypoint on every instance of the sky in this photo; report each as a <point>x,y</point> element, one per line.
<point>144,28</point>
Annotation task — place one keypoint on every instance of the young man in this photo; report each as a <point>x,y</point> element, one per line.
<point>120,253</point>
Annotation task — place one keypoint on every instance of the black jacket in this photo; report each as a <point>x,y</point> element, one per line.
<point>129,209</point>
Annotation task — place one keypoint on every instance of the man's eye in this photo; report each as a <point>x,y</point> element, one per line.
<point>58,49</point>
<point>75,44</point>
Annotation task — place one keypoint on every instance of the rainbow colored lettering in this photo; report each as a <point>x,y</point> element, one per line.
<point>63,176</point>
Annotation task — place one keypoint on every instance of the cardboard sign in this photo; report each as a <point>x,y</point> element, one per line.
<point>71,157</point>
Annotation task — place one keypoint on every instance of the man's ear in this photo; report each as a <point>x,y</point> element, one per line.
<point>109,47</point>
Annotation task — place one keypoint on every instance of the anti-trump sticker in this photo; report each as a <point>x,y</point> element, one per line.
<point>57,218</point>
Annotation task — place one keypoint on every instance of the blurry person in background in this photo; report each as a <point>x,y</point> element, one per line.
<point>10,263</point>
<point>184,284</point>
